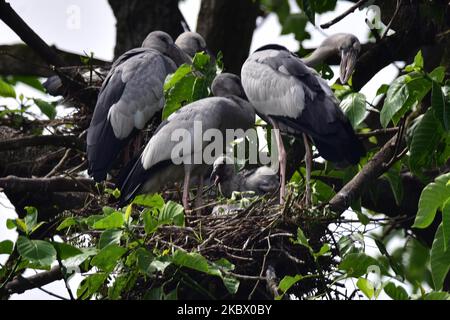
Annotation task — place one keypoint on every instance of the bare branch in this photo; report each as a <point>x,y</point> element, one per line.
<point>55,184</point>
<point>21,284</point>
<point>371,171</point>
<point>343,15</point>
<point>53,140</point>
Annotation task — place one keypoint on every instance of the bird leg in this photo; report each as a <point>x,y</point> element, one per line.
<point>198,198</point>
<point>185,200</point>
<point>281,159</point>
<point>308,161</point>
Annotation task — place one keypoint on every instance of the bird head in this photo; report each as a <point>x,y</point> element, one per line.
<point>223,169</point>
<point>191,43</point>
<point>349,48</point>
<point>227,84</point>
<point>163,42</point>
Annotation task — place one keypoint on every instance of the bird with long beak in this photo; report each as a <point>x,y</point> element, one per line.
<point>131,95</point>
<point>287,93</point>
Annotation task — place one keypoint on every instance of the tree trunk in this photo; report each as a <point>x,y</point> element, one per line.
<point>137,18</point>
<point>227,26</point>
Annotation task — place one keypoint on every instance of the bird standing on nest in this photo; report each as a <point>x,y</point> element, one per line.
<point>295,100</point>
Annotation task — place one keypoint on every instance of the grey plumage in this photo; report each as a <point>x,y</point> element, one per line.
<point>292,97</point>
<point>131,95</point>
<point>156,166</point>
<point>261,180</point>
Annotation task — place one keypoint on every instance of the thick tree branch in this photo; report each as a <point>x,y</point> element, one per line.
<point>371,171</point>
<point>21,284</point>
<point>53,140</point>
<point>55,184</point>
<point>20,59</point>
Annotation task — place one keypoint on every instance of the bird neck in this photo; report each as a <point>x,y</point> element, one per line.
<point>319,55</point>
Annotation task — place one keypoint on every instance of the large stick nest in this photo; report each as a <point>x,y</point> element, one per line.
<point>258,240</point>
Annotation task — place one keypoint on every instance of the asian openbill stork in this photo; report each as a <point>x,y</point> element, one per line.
<point>291,96</point>
<point>157,166</point>
<point>261,180</point>
<point>131,95</point>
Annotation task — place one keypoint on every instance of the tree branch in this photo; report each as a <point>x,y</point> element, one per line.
<point>21,284</point>
<point>371,171</point>
<point>20,59</point>
<point>343,15</point>
<point>55,184</point>
<point>33,141</point>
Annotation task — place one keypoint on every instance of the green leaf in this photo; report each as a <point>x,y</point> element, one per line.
<point>383,89</point>
<point>113,221</point>
<point>296,23</point>
<point>175,77</point>
<point>446,224</point>
<point>110,236</point>
<point>66,251</point>
<point>301,239</point>
<point>356,264</point>
<point>150,221</point>
<point>46,108</point>
<point>366,287</point>
<point>6,90</point>
<point>402,95</point>
<point>439,295</point>
<point>150,201</point>
<point>144,261</point>
<point>396,292</point>
<point>354,106</point>
<point>108,257</point>
<point>191,260</point>
<point>433,197</point>
<point>172,213</point>
<point>440,259</point>
<point>438,74</point>
<point>441,109</point>
<point>6,247</point>
<point>30,81</point>
<point>201,61</point>
<point>68,222</point>
<point>75,261</point>
<point>31,218</point>
<point>36,251</point>
<point>325,249</point>
<point>308,8</point>
<point>425,139</point>
<point>91,285</point>
<point>418,60</point>
<point>287,282</point>
<point>322,192</point>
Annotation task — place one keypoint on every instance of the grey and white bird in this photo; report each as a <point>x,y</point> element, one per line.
<point>260,181</point>
<point>294,99</point>
<point>159,165</point>
<point>131,95</point>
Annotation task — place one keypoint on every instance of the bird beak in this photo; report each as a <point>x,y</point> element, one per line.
<point>179,56</point>
<point>215,178</point>
<point>348,62</point>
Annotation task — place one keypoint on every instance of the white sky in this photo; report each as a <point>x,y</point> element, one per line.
<point>86,25</point>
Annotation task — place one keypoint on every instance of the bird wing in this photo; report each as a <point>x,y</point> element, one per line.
<point>161,149</point>
<point>130,95</point>
<point>261,180</point>
<point>302,103</point>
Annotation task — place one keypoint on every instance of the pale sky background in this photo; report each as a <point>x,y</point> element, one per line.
<point>53,21</point>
